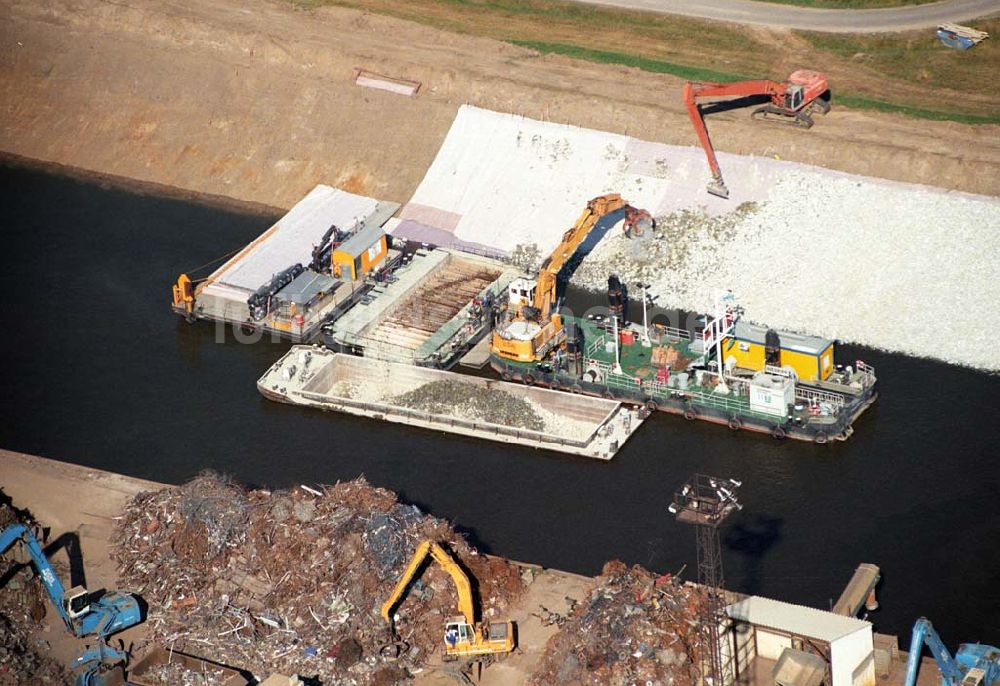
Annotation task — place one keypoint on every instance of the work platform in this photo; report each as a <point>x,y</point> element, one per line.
<point>427,314</point>
<point>311,299</point>
<point>316,377</point>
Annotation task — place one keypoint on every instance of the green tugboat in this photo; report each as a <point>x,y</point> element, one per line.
<point>731,372</point>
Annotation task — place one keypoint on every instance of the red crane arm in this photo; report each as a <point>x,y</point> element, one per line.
<point>694,90</point>
<point>699,126</point>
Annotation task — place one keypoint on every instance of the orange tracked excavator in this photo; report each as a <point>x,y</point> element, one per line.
<point>792,102</point>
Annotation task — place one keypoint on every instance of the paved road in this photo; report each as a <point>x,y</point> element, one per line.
<point>831,21</point>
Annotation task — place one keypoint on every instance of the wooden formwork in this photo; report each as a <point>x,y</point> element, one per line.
<point>434,303</point>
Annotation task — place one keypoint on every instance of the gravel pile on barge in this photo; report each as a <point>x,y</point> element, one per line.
<point>495,407</point>
<point>292,581</point>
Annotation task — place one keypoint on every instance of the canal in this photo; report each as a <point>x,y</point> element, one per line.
<point>97,371</point>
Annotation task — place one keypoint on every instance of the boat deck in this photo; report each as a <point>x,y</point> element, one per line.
<point>636,358</point>
<point>414,320</point>
<point>423,317</point>
<point>692,392</point>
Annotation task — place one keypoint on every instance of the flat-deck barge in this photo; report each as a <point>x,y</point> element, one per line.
<point>314,376</point>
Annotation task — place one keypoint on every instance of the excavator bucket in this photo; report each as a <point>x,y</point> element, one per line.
<point>638,223</point>
<point>717,187</point>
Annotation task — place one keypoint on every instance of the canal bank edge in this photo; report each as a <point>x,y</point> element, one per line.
<point>261,104</point>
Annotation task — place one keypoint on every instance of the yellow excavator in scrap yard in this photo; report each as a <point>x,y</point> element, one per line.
<point>530,329</point>
<point>463,636</point>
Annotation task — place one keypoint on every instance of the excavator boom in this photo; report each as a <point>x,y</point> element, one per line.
<point>545,295</point>
<point>53,586</point>
<point>740,88</point>
<point>716,186</point>
<point>462,585</point>
<point>923,633</point>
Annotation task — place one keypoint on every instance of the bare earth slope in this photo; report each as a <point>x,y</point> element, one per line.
<point>256,101</point>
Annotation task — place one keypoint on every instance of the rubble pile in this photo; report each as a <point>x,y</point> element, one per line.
<point>24,660</point>
<point>293,581</point>
<point>477,403</point>
<point>177,674</point>
<point>676,246</point>
<point>634,628</point>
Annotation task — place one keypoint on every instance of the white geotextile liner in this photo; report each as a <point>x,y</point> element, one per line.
<point>296,234</point>
<point>891,265</point>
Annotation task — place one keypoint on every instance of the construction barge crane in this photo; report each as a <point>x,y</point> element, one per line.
<point>727,371</point>
<point>974,664</point>
<point>792,102</point>
<point>463,636</point>
<point>532,327</point>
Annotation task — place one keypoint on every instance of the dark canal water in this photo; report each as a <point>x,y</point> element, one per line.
<point>97,371</point>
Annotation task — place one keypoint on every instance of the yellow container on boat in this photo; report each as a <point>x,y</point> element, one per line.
<point>810,356</point>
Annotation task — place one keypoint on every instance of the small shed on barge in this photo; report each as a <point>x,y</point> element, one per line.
<point>360,254</point>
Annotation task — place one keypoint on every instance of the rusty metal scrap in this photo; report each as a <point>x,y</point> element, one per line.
<point>479,403</point>
<point>634,627</point>
<point>291,581</point>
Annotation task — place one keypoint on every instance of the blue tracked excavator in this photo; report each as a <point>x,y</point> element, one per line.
<point>84,614</point>
<point>974,664</point>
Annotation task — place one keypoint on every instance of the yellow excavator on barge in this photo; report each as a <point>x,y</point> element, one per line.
<point>533,327</point>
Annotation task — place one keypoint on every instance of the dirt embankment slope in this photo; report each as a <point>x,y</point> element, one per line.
<point>255,100</point>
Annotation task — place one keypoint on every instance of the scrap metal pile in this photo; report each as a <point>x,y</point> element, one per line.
<point>24,659</point>
<point>292,581</point>
<point>634,628</point>
<point>177,674</point>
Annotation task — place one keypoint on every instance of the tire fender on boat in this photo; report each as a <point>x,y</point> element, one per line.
<point>735,424</point>
<point>779,433</point>
<point>529,380</point>
<point>821,438</point>
<point>651,405</point>
<point>690,414</point>
<point>506,375</point>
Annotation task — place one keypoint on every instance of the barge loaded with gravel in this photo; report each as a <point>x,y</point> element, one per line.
<point>317,377</point>
<point>775,382</point>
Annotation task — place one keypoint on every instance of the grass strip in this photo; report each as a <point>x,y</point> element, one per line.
<point>700,74</point>
<point>628,60</point>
